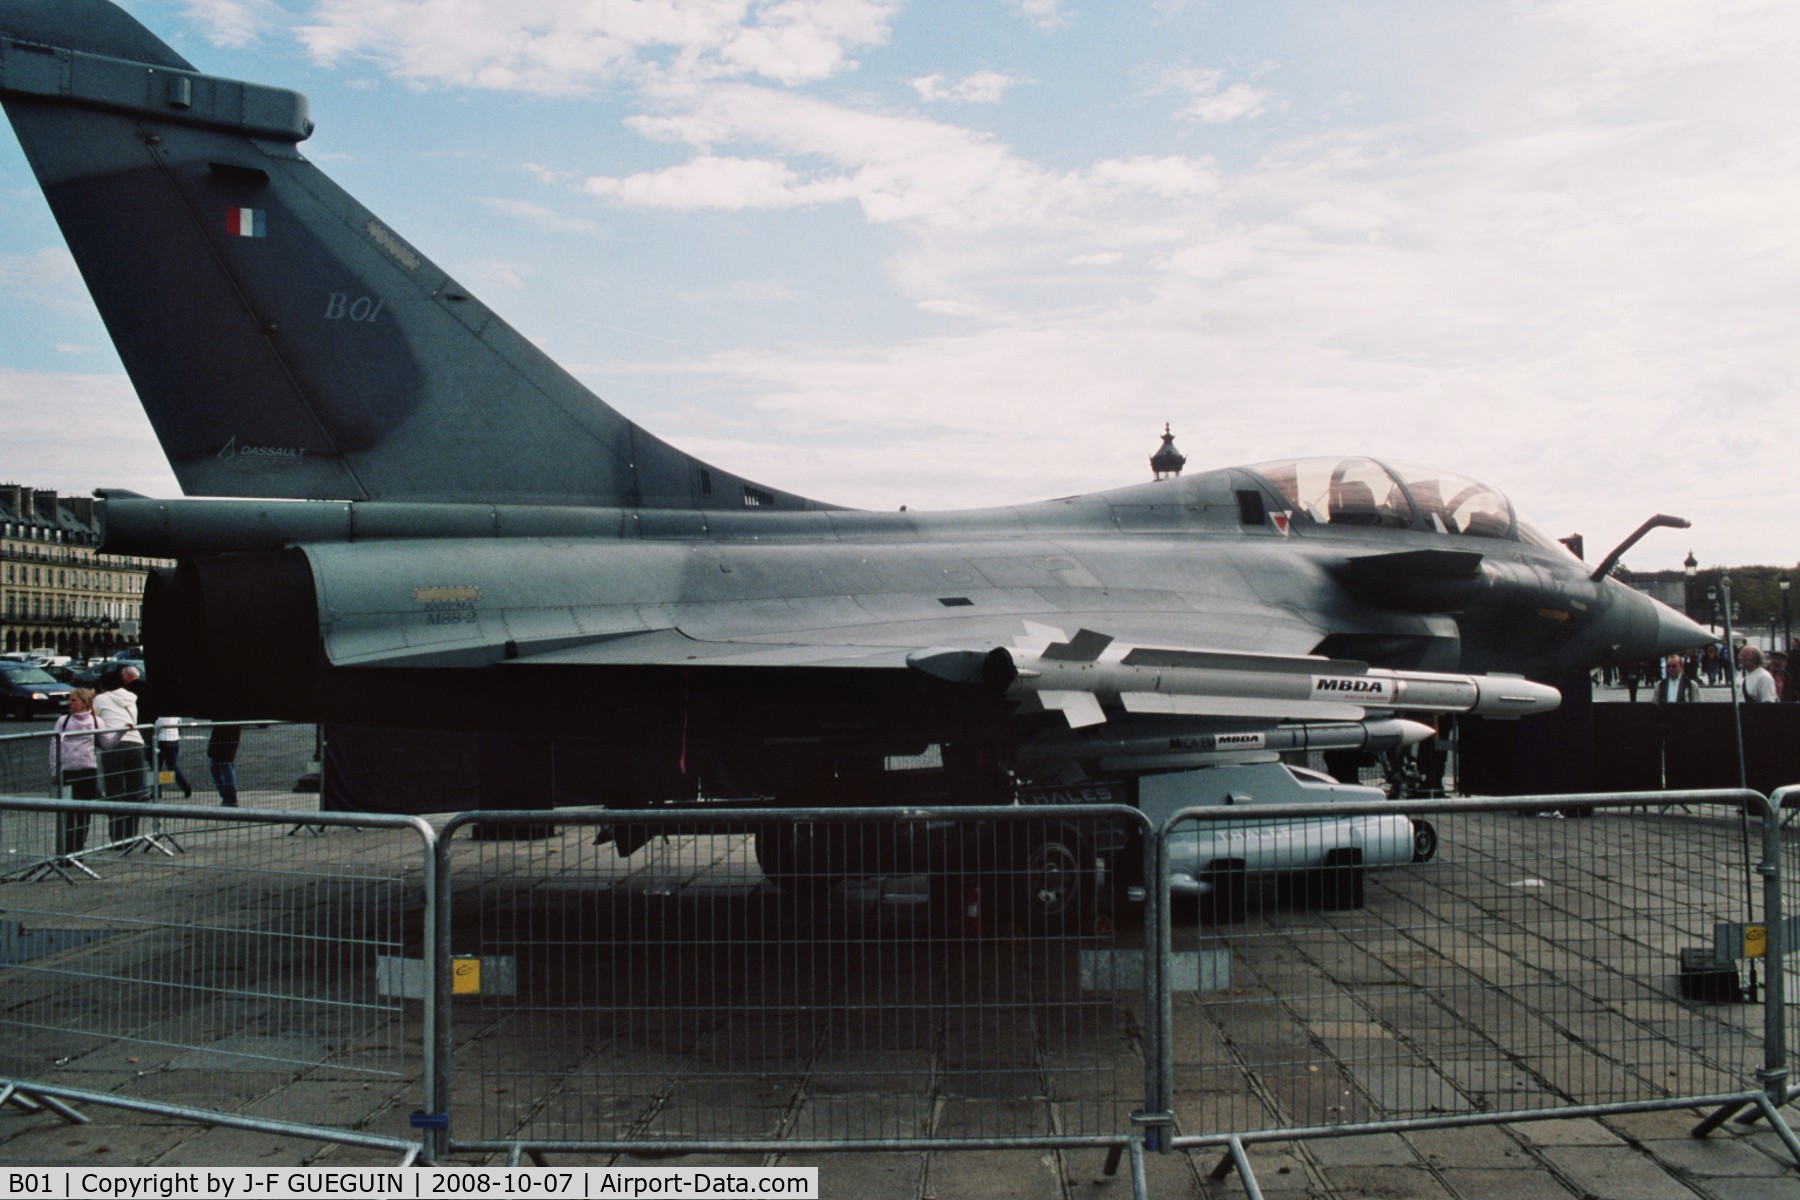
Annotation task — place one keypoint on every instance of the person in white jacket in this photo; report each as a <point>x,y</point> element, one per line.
<point>1758,685</point>
<point>121,754</point>
<point>168,753</point>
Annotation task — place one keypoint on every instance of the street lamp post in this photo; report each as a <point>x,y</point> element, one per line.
<point>1787,621</point>
<point>1690,567</point>
<point>1737,716</point>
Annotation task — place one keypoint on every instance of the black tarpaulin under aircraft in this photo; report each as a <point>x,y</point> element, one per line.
<point>413,517</point>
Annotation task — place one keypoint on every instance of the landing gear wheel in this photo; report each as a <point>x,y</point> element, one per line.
<point>1055,882</point>
<point>1045,876</point>
<point>1425,841</point>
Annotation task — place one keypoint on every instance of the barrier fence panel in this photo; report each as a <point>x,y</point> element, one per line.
<point>1552,954</point>
<point>795,979</point>
<point>233,966</point>
<point>1787,801</point>
<point>24,759</point>
<point>255,764</point>
<point>274,765</point>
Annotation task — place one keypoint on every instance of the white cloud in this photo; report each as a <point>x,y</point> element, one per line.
<point>112,438</point>
<point>553,46</point>
<point>796,41</point>
<point>47,277</point>
<point>982,87</point>
<point>711,182</point>
<point>542,216</point>
<point>504,275</point>
<point>958,308</point>
<point>1045,14</point>
<point>1587,302</point>
<point>761,291</point>
<point>1235,102</point>
<point>898,169</point>
<point>1645,36</point>
<point>236,22</point>
<point>1211,102</point>
<point>49,264</point>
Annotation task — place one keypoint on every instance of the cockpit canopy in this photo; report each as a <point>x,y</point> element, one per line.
<point>1364,492</point>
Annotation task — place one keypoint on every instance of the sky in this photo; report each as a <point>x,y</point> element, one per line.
<point>953,253</point>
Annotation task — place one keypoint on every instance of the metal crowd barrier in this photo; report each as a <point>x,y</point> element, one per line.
<point>786,979</point>
<point>219,969</point>
<point>22,764</point>
<point>1556,957</point>
<point>757,981</point>
<point>252,764</point>
<point>1787,839</point>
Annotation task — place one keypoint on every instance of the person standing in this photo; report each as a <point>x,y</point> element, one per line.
<point>1758,685</point>
<point>121,756</point>
<point>221,761</point>
<point>168,753</point>
<point>72,752</point>
<point>1676,686</point>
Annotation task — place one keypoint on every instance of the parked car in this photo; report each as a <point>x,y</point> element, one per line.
<point>28,691</point>
<point>101,666</point>
<point>73,675</point>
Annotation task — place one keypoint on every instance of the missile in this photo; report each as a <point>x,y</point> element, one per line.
<point>1075,676</point>
<point>1175,749</point>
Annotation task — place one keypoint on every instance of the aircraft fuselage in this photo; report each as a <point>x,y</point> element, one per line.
<point>736,633</point>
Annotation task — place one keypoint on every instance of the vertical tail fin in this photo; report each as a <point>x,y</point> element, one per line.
<point>283,340</point>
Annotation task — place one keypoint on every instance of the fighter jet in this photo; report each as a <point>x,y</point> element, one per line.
<point>404,514</point>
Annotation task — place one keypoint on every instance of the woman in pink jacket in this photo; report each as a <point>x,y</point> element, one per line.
<point>72,753</point>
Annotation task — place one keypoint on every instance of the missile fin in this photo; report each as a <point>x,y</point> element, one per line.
<point>1079,709</point>
<point>1085,646</point>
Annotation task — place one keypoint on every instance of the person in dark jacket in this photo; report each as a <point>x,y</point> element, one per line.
<point>1676,686</point>
<point>221,761</point>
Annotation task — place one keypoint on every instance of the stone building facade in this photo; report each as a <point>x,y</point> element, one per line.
<point>57,592</point>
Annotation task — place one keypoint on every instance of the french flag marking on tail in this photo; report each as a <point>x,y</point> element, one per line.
<point>246,222</point>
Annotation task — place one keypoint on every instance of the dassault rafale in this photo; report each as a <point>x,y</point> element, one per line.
<point>403,513</point>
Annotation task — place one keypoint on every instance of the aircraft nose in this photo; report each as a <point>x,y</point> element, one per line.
<point>1653,629</point>
<point>1675,633</point>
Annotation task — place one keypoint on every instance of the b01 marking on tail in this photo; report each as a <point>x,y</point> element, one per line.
<point>340,307</point>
